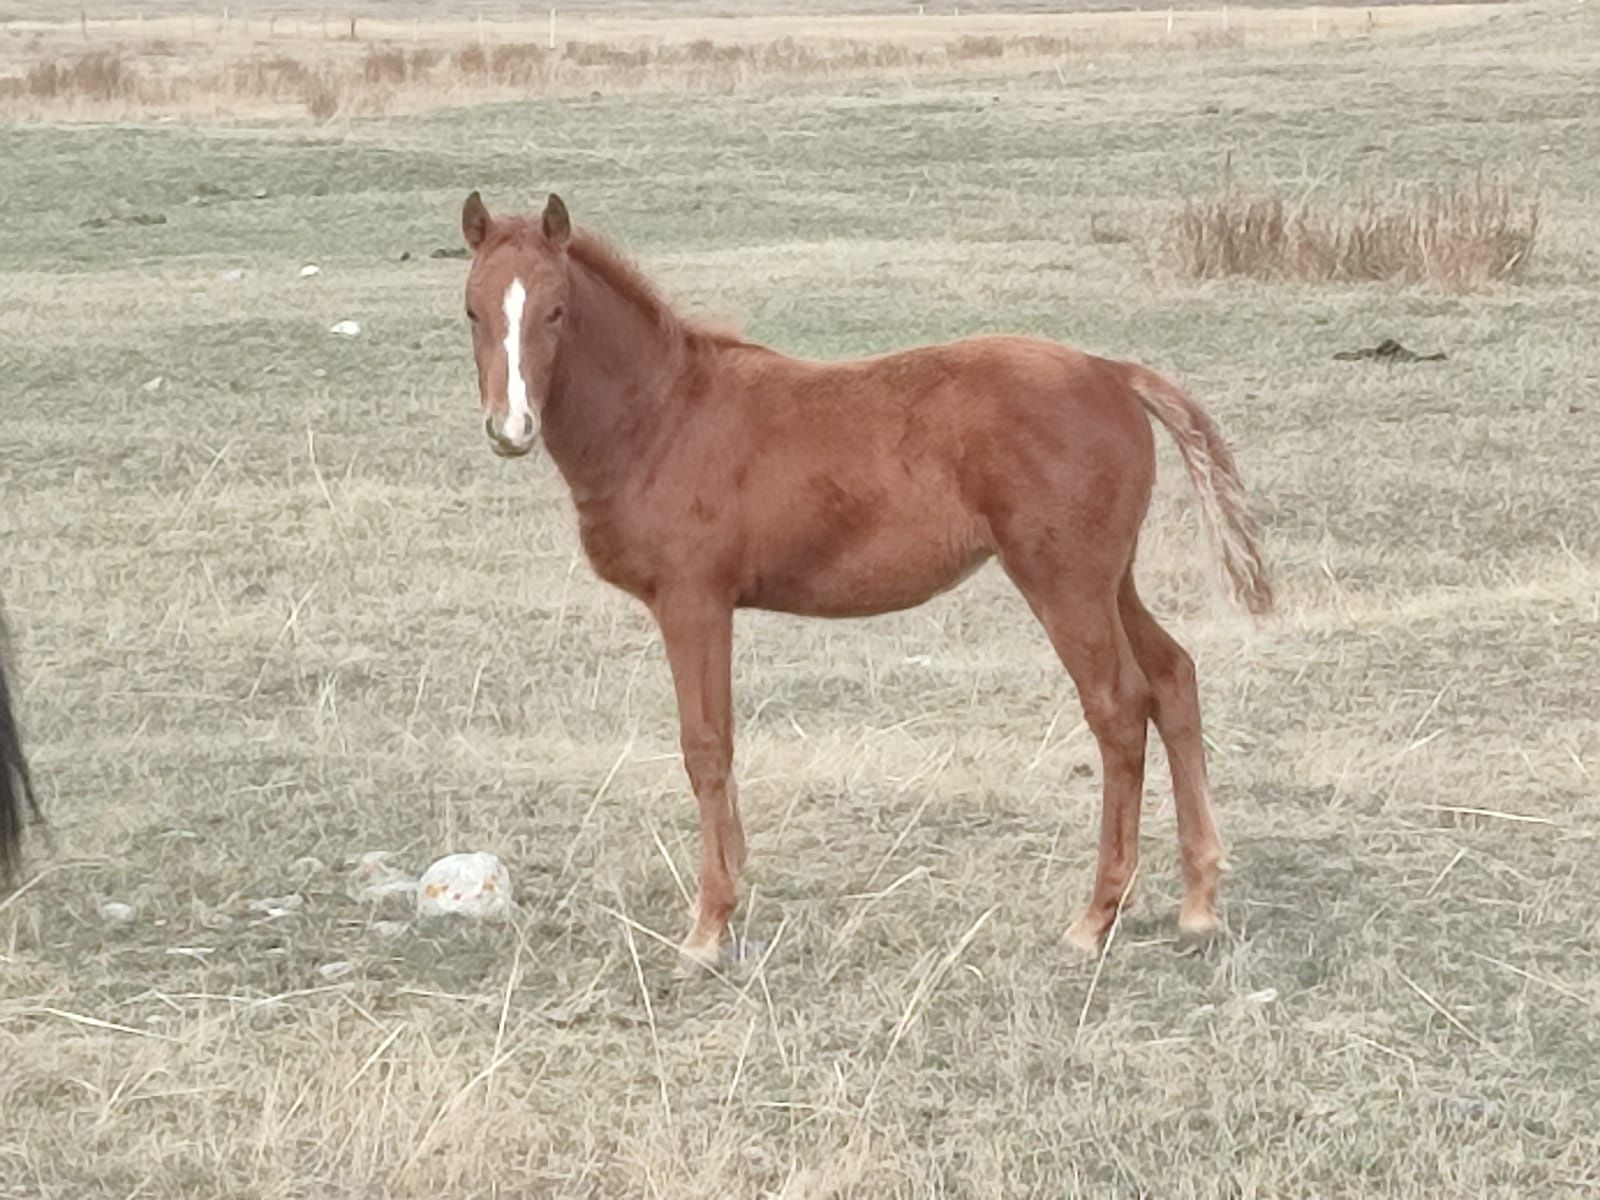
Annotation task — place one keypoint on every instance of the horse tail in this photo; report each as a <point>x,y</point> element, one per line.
<point>17,798</point>
<point>1224,504</point>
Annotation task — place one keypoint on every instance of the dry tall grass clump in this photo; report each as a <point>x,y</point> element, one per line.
<point>1457,238</point>
<point>98,76</point>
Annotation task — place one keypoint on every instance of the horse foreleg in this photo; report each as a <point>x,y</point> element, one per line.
<point>698,631</point>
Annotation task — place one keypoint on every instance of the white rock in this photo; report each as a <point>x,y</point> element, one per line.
<point>346,328</point>
<point>469,885</point>
<point>233,274</point>
<point>310,269</point>
<point>154,385</point>
<point>114,912</point>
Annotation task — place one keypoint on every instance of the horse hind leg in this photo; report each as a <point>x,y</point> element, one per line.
<point>1085,627</point>
<point>1176,712</point>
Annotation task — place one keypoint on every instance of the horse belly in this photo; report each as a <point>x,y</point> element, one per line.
<point>896,564</point>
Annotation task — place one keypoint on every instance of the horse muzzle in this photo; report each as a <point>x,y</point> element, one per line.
<point>506,447</point>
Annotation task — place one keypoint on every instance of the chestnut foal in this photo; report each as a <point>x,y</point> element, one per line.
<point>711,474</point>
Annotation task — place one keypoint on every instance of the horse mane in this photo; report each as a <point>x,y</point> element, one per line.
<point>621,275</point>
<point>606,262</point>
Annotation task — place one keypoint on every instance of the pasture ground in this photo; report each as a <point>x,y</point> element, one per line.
<point>285,605</point>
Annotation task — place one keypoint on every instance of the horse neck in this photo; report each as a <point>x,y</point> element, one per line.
<point>613,381</point>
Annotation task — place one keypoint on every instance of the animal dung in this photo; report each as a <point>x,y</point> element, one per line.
<point>1390,351</point>
<point>346,328</point>
<point>473,885</point>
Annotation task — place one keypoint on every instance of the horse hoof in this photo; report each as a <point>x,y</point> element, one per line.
<point>1197,928</point>
<point>1082,938</point>
<point>698,957</point>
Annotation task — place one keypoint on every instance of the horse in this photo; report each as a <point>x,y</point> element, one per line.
<point>710,473</point>
<point>17,798</point>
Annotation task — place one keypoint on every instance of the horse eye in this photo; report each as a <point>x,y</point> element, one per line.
<point>556,314</point>
<point>472,316</point>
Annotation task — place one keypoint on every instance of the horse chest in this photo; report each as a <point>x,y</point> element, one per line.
<point>635,547</point>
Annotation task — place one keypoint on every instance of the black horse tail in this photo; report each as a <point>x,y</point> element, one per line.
<point>17,798</point>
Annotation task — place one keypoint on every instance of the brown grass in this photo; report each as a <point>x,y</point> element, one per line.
<point>97,76</point>
<point>1454,238</point>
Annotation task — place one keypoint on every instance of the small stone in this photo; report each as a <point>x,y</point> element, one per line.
<point>310,269</point>
<point>114,912</point>
<point>374,878</point>
<point>273,907</point>
<point>153,385</point>
<point>346,328</point>
<point>233,274</point>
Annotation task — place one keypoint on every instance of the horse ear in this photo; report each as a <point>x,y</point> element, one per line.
<point>557,224</point>
<point>475,221</point>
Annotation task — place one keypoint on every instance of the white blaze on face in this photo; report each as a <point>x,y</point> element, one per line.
<point>520,423</point>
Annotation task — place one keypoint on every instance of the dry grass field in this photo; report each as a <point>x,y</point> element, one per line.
<point>368,59</point>
<point>276,606</point>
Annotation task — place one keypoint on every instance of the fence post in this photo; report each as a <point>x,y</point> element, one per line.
<point>1169,22</point>
<point>352,29</point>
<point>83,22</point>
<point>552,29</point>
